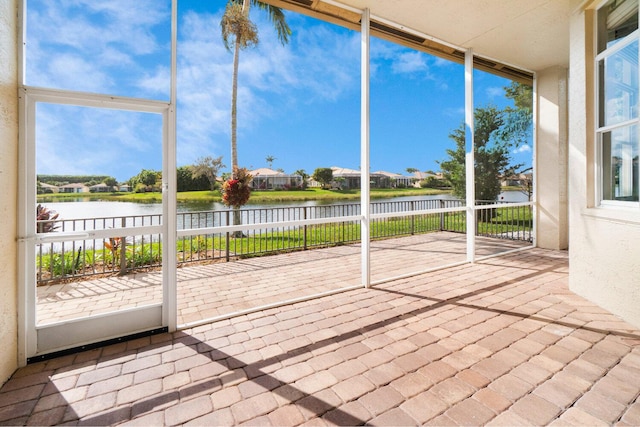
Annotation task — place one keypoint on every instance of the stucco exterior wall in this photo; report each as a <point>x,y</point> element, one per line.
<point>551,159</point>
<point>604,260</point>
<point>9,185</point>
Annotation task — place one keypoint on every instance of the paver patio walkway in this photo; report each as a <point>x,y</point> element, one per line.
<point>499,342</point>
<point>207,291</point>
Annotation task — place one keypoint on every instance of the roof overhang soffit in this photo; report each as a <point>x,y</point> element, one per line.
<point>329,12</point>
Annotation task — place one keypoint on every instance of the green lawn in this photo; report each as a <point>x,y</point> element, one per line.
<point>206,247</point>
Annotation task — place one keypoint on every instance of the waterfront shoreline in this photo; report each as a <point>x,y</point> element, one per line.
<point>259,197</point>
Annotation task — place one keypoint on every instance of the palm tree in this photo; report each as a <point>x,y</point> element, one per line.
<point>238,31</point>
<point>303,174</point>
<point>270,160</point>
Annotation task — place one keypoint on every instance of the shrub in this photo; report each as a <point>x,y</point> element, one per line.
<point>236,191</point>
<point>433,182</point>
<point>45,219</point>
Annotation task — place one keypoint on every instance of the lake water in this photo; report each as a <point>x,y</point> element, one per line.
<point>97,209</point>
<point>81,216</point>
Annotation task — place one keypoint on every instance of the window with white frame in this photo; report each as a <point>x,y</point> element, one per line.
<point>617,102</point>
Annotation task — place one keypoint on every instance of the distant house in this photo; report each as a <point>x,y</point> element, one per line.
<point>43,188</point>
<point>312,183</point>
<point>421,176</point>
<point>124,187</point>
<point>74,188</point>
<point>393,180</point>
<point>350,178</point>
<point>517,180</point>
<point>346,178</point>
<point>100,188</point>
<point>268,179</point>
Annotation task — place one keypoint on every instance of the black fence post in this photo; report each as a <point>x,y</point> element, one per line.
<point>304,216</point>
<point>123,252</point>
<point>413,217</point>
<point>228,238</point>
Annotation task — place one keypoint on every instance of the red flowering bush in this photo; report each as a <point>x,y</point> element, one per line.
<point>236,191</point>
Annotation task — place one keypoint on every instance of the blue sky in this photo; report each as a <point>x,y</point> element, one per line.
<point>299,103</point>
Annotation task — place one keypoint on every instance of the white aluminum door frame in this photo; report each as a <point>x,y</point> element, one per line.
<point>37,340</point>
<point>27,336</point>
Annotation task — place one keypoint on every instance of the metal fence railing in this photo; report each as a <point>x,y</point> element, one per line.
<point>71,259</point>
<point>504,220</point>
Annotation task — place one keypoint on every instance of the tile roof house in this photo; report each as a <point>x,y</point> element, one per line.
<point>74,188</point>
<point>100,188</point>
<point>350,178</point>
<point>48,188</point>
<point>268,179</point>
<point>395,179</point>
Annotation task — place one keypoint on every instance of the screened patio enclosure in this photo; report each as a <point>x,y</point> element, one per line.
<point>367,241</point>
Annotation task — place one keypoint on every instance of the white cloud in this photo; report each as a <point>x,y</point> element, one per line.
<point>121,22</point>
<point>81,140</point>
<point>121,48</point>
<point>71,71</point>
<point>526,148</point>
<point>204,87</point>
<point>441,62</point>
<point>454,112</point>
<point>114,57</point>
<point>494,92</point>
<point>318,62</point>
<point>409,63</point>
<point>157,83</point>
<point>326,63</point>
<point>117,38</point>
<point>387,56</point>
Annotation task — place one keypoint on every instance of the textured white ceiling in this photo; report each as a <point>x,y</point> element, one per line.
<point>530,34</point>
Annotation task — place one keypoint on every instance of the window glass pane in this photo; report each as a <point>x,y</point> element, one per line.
<point>619,86</point>
<point>616,20</point>
<point>620,164</point>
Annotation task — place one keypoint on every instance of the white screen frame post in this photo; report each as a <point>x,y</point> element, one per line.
<point>169,191</point>
<point>365,206</point>
<point>470,158</point>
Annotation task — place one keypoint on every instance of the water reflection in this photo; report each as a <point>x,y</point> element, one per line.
<point>81,216</point>
<point>87,208</point>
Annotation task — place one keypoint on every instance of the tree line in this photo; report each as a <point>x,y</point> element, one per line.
<point>59,180</point>
<point>201,176</point>
<point>198,177</point>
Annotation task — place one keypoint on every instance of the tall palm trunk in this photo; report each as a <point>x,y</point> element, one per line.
<point>236,23</point>
<point>234,124</point>
<point>234,119</point>
<point>234,107</point>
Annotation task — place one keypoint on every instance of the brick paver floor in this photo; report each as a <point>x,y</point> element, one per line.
<point>218,289</point>
<point>499,342</point>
